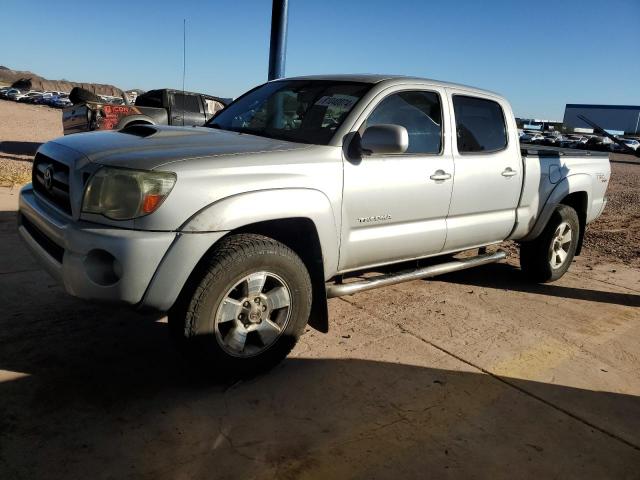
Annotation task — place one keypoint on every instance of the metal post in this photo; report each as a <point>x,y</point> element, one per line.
<point>278,47</point>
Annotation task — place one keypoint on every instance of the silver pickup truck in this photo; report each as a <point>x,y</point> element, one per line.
<point>241,229</point>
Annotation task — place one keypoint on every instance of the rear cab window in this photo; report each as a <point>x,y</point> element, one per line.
<point>480,125</point>
<point>152,98</point>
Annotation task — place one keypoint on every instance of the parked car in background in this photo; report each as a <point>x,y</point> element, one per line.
<point>629,142</point>
<point>22,95</point>
<point>132,97</point>
<point>598,143</point>
<point>42,100</point>
<point>13,93</point>
<point>29,97</point>
<point>112,100</point>
<point>571,141</point>
<point>55,96</point>
<point>242,229</point>
<point>536,138</point>
<point>61,101</point>
<point>155,107</point>
<point>551,139</point>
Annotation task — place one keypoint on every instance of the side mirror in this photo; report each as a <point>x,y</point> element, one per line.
<point>384,139</point>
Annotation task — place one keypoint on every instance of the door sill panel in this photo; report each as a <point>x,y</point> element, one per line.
<point>411,259</point>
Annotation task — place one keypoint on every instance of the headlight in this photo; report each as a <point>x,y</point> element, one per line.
<point>122,194</point>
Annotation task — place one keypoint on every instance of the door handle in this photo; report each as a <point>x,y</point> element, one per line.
<point>509,172</point>
<point>440,175</point>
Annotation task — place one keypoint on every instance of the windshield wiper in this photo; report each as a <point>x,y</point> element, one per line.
<point>258,133</point>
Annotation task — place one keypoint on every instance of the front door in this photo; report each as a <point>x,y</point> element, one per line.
<point>488,171</point>
<point>395,206</point>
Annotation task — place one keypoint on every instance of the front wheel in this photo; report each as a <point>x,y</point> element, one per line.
<point>246,308</point>
<point>548,257</point>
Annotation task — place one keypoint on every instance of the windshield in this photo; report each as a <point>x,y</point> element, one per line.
<point>306,111</point>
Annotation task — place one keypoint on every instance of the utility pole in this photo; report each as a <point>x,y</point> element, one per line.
<point>278,46</point>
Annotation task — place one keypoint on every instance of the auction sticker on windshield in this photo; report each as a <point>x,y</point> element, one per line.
<point>341,101</point>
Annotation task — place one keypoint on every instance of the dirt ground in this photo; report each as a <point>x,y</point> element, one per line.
<point>616,234</point>
<point>476,374</point>
<point>22,129</point>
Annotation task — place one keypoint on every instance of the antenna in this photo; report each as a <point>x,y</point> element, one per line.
<point>184,62</point>
<point>184,51</point>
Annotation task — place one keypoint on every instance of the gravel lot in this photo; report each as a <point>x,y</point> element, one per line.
<point>22,129</point>
<point>616,234</point>
<point>476,374</point>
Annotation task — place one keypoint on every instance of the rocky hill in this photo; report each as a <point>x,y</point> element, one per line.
<point>29,80</point>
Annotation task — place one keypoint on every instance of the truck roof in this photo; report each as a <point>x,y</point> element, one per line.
<point>378,78</point>
<point>173,90</point>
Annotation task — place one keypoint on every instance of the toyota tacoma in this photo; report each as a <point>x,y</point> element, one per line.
<point>243,228</point>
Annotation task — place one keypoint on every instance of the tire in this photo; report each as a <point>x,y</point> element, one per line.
<point>548,257</point>
<point>225,324</point>
<point>80,95</point>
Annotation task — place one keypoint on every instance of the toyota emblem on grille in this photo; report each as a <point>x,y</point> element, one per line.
<point>48,177</point>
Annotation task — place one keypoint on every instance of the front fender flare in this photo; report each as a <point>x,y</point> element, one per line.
<point>240,210</point>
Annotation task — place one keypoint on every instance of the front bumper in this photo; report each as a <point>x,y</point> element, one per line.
<point>92,261</point>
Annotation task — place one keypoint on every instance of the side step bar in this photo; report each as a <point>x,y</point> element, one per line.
<point>340,289</point>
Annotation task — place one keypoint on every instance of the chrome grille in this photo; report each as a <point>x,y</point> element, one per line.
<point>50,179</point>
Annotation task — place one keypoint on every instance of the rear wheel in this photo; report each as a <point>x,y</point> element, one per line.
<point>245,310</point>
<point>548,257</point>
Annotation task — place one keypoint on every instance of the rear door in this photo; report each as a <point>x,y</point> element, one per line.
<point>488,169</point>
<point>395,206</point>
<point>187,110</point>
<point>75,119</point>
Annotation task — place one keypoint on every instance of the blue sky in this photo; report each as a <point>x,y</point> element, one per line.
<point>541,55</point>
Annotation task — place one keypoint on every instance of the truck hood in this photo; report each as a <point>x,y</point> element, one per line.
<point>146,147</point>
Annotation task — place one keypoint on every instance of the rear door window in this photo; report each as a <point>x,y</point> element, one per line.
<point>480,125</point>
<point>187,103</point>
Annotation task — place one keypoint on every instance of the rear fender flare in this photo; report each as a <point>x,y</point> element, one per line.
<point>580,182</point>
